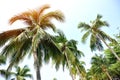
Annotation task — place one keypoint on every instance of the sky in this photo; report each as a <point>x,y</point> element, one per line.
<point>75,11</point>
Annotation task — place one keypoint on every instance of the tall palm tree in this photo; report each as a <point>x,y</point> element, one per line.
<point>71,54</point>
<point>29,39</point>
<point>97,35</point>
<point>22,73</point>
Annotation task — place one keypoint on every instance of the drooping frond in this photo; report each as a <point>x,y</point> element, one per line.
<point>95,43</point>
<point>99,44</point>
<point>92,43</point>
<point>106,37</point>
<point>84,26</point>
<point>17,48</point>
<point>51,50</point>
<point>48,24</point>
<point>5,36</point>
<point>85,36</point>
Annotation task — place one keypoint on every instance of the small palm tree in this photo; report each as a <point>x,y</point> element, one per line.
<point>97,35</point>
<point>22,73</point>
<point>29,39</point>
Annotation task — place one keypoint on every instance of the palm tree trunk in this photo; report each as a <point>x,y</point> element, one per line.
<point>108,75</point>
<point>69,66</point>
<point>100,37</point>
<point>38,75</point>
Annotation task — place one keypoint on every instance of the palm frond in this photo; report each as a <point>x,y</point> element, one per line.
<point>48,24</point>
<point>21,73</point>
<point>34,16</point>
<point>92,43</point>
<point>5,36</point>
<point>97,23</point>
<point>99,44</point>
<point>6,74</point>
<point>25,16</point>
<point>85,36</point>
<point>42,9</point>
<point>99,16</point>
<point>72,45</point>
<point>16,51</point>
<point>84,26</point>
<point>28,75</point>
<point>106,37</point>
<point>58,15</point>
<point>25,70</point>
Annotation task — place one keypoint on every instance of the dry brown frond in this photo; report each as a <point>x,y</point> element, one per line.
<point>42,9</point>
<point>34,15</point>
<point>23,16</point>
<point>58,15</point>
<point>10,33</point>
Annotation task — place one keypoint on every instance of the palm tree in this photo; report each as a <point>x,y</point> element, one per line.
<point>71,54</point>
<point>97,35</point>
<point>29,39</point>
<point>22,73</point>
<point>99,68</point>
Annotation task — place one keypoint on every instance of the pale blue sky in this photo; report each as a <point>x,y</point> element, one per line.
<point>75,11</point>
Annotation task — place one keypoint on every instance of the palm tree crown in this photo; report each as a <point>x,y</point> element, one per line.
<point>97,35</point>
